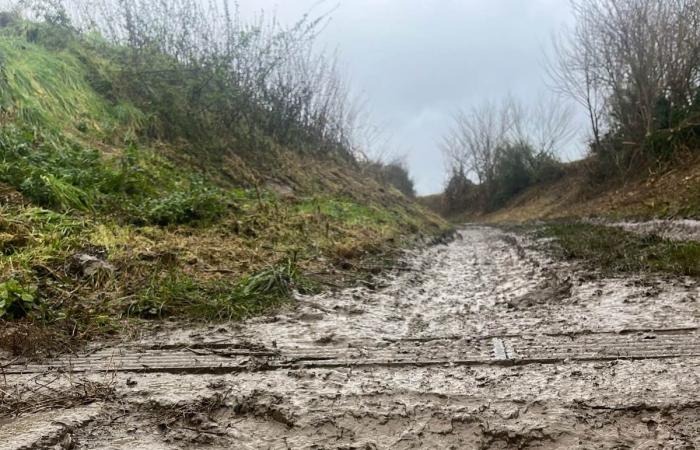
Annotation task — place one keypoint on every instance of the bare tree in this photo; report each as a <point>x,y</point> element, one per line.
<point>573,75</point>
<point>477,136</point>
<point>545,126</point>
<point>624,57</point>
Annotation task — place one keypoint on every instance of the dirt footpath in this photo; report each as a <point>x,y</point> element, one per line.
<point>485,343</point>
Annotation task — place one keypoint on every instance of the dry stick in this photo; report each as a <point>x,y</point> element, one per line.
<point>9,394</point>
<point>227,271</point>
<point>10,363</point>
<point>117,418</point>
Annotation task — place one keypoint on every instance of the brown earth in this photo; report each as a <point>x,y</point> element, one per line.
<point>485,343</point>
<point>670,194</point>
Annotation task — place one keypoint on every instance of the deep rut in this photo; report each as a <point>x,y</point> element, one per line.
<point>484,343</point>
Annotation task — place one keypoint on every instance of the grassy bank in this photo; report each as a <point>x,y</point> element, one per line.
<point>671,193</point>
<point>616,251</point>
<point>104,226</point>
<point>84,273</point>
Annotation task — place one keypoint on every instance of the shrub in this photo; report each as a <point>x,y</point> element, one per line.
<point>396,174</point>
<point>460,193</point>
<point>517,167</point>
<point>514,172</point>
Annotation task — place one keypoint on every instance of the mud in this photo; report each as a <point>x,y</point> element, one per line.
<point>485,343</point>
<point>676,230</point>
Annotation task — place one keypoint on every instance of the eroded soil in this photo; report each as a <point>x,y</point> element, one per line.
<point>485,343</point>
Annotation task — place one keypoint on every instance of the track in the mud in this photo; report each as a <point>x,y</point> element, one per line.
<point>227,358</point>
<point>485,344</point>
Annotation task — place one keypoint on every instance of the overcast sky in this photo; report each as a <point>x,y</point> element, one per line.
<point>417,61</point>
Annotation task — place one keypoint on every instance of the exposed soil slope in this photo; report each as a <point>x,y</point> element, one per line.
<point>669,194</point>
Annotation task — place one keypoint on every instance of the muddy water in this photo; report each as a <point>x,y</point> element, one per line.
<point>485,343</point>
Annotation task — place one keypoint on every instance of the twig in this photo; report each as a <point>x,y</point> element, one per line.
<point>229,271</point>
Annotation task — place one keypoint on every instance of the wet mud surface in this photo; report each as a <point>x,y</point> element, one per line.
<point>485,343</point>
<point>676,230</point>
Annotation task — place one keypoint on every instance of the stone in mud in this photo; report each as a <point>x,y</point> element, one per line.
<point>91,266</point>
<point>325,340</point>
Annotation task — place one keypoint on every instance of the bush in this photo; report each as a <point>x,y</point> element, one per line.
<point>518,167</point>
<point>460,193</point>
<point>394,174</point>
<point>514,172</point>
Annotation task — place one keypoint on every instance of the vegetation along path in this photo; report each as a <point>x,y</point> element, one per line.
<point>487,342</point>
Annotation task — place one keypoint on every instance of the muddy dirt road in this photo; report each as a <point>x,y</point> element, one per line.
<point>485,343</point>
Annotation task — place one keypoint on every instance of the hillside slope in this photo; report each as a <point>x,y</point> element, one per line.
<point>668,194</point>
<point>102,224</point>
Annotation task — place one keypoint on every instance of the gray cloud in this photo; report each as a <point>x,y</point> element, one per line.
<point>416,61</point>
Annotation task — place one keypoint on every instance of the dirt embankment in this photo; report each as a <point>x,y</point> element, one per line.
<point>670,194</point>
<point>485,343</point>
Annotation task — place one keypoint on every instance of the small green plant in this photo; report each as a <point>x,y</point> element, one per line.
<point>16,300</point>
<point>276,281</point>
<point>179,295</point>
<point>199,203</point>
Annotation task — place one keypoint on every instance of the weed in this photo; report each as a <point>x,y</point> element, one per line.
<point>16,300</point>
<point>199,203</point>
<point>180,295</point>
<point>276,281</point>
<point>55,173</point>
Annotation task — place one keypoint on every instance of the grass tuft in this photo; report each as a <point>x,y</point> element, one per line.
<point>180,295</point>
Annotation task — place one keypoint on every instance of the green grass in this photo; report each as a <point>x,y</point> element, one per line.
<point>136,185</point>
<point>34,236</point>
<point>176,294</point>
<point>350,212</point>
<point>615,250</point>
<point>49,89</point>
<point>186,238</point>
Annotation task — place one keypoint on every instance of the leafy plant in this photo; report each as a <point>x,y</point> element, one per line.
<point>198,203</point>
<point>16,300</point>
